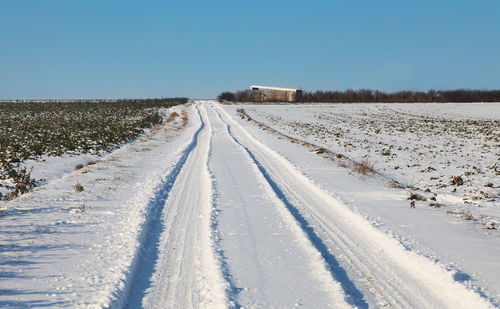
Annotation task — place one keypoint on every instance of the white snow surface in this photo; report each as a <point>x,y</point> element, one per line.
<point>221,214</point>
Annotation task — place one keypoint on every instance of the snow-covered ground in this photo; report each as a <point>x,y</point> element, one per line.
<point>421,146</point>
<point>63,248</point>
<point>219,213</point>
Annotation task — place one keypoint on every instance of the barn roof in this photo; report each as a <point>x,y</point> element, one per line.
<point>272,88</point>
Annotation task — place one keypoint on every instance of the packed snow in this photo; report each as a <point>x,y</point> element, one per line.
<point>220,212</point>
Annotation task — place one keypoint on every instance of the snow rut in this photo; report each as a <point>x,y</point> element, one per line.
<point>187,274</point>
<point>269,260</point>
<point>387,274</point>
<point>175,266</point>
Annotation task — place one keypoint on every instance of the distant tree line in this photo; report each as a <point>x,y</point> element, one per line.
<point>368,95</point>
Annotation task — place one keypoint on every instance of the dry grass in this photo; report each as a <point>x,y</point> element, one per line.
<point>172,117</point>
<point>436,205</point>
<point>364,167</point>
<point>80,166</point>
<point>154,130</point>
<point>184,118</point>
<point>416,196</point>
<point>79,187</point>
<point>396,184</point>
<point>457,181</point>
<point>463,214</point>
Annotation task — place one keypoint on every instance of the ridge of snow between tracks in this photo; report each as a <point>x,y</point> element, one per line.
<point>187,271</point>
<point>147,268</point>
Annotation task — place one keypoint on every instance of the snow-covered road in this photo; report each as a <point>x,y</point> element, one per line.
<point>230,223</point>
<point>242,227</point>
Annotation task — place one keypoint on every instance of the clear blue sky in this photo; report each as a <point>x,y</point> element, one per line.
<point>117,49</point>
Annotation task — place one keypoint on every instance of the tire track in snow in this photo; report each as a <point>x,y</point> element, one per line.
<point>353,295</point>
<point>396,277</point>
<point>232,290</point>
<point>187,273</point>
<point>309,249</point>
<point>142,268</point>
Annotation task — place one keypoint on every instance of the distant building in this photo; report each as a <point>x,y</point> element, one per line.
<point>274,94</point>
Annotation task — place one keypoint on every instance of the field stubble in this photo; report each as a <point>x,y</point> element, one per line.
<point>445,159</point>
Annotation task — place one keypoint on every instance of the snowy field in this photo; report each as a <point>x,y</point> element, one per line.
<point>448,154</point>
<point>220,211</point>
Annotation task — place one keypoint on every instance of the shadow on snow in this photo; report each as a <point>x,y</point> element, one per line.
<point>142,269</point>
<point>353,294</point>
